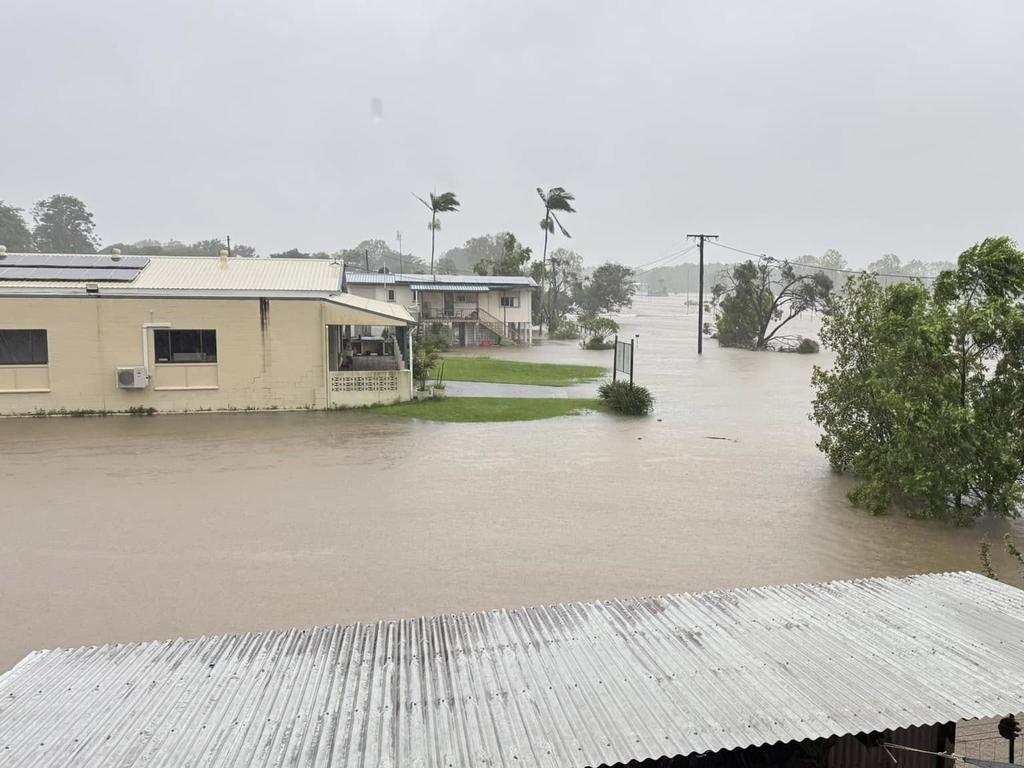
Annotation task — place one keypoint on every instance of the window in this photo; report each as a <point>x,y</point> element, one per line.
<point>463,298</point>
<point>391,294</point>
<point>185,346</point>
<point>510,301</point>
<point>23,347</point>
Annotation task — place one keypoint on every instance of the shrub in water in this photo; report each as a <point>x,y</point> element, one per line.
<point>807,346</point>
<point>625,398</point>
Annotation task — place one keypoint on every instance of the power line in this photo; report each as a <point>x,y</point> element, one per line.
<point>665,260</point>
<point>818,266</point>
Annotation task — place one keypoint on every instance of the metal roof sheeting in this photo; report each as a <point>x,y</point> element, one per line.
<point>389,278</point>
<point>456,287</point>
<point>573,685</point>
<point>173,274</point>
<point>383,309</point>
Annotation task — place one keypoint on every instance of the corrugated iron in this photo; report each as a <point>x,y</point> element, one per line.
<point>582,684</point>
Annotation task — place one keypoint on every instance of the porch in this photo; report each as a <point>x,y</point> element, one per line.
<point>457,310</point>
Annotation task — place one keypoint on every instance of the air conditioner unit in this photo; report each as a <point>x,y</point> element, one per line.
<point>136,377</point>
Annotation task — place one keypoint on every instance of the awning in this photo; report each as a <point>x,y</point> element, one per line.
<point>348,309</point>
<point>451,287</point>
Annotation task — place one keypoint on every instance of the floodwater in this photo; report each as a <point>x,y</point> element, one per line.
<point>120,529</point>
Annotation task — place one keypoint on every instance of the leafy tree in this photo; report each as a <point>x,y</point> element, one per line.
<point>291,253</point>
<point>596,332</point>
<point>566,271</point>
<point>381,256</point>
<point>178,248</point>
<point>555,199</point>
<point>14,233</point>
<point>925,399</point>
<point>889,264</point>
<point>607,290</point>
<point>446,202</point>
<point>757,300</point>
<point>511,260</point>
<point>63,225</point>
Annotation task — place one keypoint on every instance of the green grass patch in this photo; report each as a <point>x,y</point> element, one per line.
<point>489,408</point>
<point>514,372</point>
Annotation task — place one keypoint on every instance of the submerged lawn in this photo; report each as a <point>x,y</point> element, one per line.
<point>489,408</point>
<point>512,372</point>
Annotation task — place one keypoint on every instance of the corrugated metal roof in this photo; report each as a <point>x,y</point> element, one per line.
<point>170,274</point>
<point>388,278</point>
<point>451,287</point>
<point>582,684</point>
<point>385,309</point>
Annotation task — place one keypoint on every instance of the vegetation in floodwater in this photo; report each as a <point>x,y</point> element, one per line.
<point>625,398</point>
<point>78,413</point>
<point>487,369</point>
<point>479,409</point>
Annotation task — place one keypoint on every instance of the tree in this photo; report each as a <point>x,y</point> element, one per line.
<point>889,264</point>
<point>757,300</point>
<point>511,259</point>
<point>63,225</point>
<point>596,332</point>
<point>607,290</point>
<point>177,248</point>
<point>925,399</point>
<point>446,202</point>
<point>380,256</point>
<point>14,233</point>
<point>555,199</point>
<point>291,253</point>
<point>566,272</point>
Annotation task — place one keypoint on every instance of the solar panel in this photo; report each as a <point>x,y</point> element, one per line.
<point>64,260</point>
<point>70,274</point>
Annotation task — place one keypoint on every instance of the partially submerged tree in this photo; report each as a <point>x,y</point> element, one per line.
<point>63,225</point>
<point>925,399</point>
<point>555,199</point>
<point>609,289</point>
<point>446,202</point>
<point>597,333</point>
<point>14,233</point>
<point>757,300</point>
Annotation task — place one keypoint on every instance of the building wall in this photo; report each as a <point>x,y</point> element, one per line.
<point>489,301</point>
<point>267,357</point>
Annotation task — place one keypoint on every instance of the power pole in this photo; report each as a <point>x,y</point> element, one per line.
<point>398,234</point>
<point>700,288</point>
<point>229,246</point>
<point>366,253</point>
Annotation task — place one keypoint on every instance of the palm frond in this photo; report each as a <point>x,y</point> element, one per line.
<point>444,203</point>
<point>547,225</point>
<point>422,200</point>
<point>543,196</point>
<point>434,224</point>
<point>558,199</point>
<point>564,232</point>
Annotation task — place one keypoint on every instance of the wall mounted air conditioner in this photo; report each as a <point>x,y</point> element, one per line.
<point>136,377</point>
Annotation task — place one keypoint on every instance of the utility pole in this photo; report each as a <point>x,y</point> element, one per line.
<point>398,234</point>
<point>700,295</point>
<point>366,253</point>
<point>229,246</point>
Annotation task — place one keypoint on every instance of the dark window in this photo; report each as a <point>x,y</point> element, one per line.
<point>23,347</point>
<point>391,294</point>
<point>510,301</point>
<point>185,346</point>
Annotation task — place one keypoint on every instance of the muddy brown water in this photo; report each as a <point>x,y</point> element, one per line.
<point>120,529</point>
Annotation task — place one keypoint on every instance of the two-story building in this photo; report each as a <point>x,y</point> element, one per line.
<point>128,333</point>
<point>474,310</point>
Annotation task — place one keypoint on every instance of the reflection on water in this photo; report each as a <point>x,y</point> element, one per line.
<point>138,528</point>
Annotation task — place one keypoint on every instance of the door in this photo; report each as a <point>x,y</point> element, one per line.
<point>449,305</point>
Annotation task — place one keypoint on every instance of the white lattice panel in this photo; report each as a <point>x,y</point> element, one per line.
<point>364,381</point>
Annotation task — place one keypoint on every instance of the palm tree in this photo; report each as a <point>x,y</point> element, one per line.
<point>555,199</point>
<point>446,202</point>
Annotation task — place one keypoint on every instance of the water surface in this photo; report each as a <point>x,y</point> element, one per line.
<point>120,529</point>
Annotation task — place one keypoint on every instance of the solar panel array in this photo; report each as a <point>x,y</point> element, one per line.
<point>71,268</point>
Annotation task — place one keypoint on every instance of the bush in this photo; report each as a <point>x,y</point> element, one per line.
<point>625,398</point>
<point>564,331</point>
<point>596,343</point>
<point>597,330</point>
<point>807,347</point>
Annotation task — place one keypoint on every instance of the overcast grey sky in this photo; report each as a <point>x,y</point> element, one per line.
<point>786,127</point>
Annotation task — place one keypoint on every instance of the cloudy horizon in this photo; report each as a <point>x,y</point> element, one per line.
<point>786,128</point>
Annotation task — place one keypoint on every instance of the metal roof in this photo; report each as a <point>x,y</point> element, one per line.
<point>388,310</point>
<point>573,685</point>
<point>175,274</point>
<point>388,278</point>
<point>456,287</point>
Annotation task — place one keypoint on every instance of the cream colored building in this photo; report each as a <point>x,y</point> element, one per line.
<point>116,333</point>
<point>473,309</point>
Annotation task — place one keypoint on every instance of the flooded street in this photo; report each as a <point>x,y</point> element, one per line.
<point>119,529</point>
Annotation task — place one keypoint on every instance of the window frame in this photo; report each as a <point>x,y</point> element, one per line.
<point>391,294</point>
<point>205,335</point>
<point>33,343</point>
<point>510,301</point>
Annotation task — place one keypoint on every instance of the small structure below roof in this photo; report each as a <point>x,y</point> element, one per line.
<point>573,685</point>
